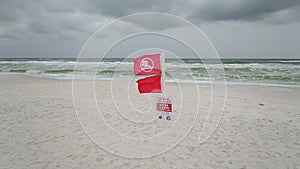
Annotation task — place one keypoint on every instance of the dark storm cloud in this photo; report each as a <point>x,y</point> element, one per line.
<point>155,24</point>
<point>119,8</point>
<point>286,16</point>
<point>199,10</point>
<point>52,20</point>
<point>39,19</point>
<point>71,18</point>
<point>240,9</point>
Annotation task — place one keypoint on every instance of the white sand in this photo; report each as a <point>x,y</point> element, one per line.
<point>260,128</point>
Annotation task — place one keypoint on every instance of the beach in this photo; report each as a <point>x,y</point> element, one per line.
<point>259,128</point>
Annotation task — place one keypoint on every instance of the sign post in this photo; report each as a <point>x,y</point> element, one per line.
<point>162,62</point>
<point>164,107</point>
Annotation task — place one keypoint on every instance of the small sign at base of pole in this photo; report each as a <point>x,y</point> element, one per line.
<point>164,107</point>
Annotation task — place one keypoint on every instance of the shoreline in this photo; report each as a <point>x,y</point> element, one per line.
<point>204,83</point>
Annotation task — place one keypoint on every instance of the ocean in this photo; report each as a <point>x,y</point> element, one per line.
<point>276,72</point>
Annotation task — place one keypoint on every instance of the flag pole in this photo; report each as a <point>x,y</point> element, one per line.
<point>163,71</point>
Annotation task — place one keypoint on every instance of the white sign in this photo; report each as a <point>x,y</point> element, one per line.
<point>164,107</point>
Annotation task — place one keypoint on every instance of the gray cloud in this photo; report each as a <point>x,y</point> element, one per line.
<point>200,10</point>
<point>119,8</point>
<point>71,18</point>
<point>75,20</point>
<point>286,16</point>
<point>43,19</point>
<point>239,9</point>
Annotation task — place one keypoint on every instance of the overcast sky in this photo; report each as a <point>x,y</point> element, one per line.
<point>237,28</point>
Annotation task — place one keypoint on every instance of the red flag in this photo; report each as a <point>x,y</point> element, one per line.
<point>147,65</point>
<point>150,84</point>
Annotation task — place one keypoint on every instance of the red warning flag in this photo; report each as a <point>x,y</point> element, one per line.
<point>147,65</point>
<point>150,84</point>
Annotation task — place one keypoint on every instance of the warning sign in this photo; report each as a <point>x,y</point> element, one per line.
<point>164,104</point>
<point>164,107</point>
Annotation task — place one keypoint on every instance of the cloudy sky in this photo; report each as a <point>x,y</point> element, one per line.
<point>237,28</point>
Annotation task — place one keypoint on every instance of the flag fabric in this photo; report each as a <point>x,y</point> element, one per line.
<point>147,65</point>
<point>150,84</point>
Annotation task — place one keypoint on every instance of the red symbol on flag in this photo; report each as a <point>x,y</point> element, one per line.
<point>147,65</point>
<point>150,84</point>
